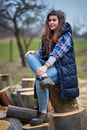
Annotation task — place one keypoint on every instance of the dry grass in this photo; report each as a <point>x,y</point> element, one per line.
<point>16,70</point>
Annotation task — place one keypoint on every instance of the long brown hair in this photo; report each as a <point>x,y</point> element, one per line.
<point>48,36</point>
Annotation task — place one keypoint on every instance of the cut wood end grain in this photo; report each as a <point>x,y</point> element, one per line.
<point>27,93</point>
<point>3,90</point>
<point>68,113</point>
<point>28,126</point>
<point>25,89</point>
<point>3,108</point>
<point>4,125</point>
<point>28,79</point>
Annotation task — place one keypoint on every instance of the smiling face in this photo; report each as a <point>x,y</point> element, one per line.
<point>53,22</point>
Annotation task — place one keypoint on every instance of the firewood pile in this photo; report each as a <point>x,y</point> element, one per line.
<point>18,106</point>
<point>17,103</point>
<point>18,95</point>
<point>15,95</point>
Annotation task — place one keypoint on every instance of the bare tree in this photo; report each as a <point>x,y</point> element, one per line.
<point>75,31</point>
<point>18,13</point>
<point>29,33</point>
<point>80,28</point>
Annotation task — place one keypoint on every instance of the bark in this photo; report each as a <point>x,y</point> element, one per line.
<point>75,120</point>
<point>6,97</point>
<point>59,104</point>
<point>21,51</point>
<point>5,80</point>
<point>23,114</point>
<point>15,124</point>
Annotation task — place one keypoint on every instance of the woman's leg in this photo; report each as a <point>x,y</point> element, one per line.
<point>53,74</point>
<point>43,96</point>
<point>34,62</point>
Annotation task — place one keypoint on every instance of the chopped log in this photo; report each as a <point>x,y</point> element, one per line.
<point>15,124</point>
<point>49,107</point>
<point>67,112</point>
<point>2,114</point>
<point>5,80</point>
<point>6,97</point>
<point>59,104</point>
<point>19,98</point>
<point>4,125</point>
<point>25,89</point>
<point>28,82</point>
<point>2,108</point>
<point>75,120</point>
<point>21,113</point>
<point>25,98</point>
<point>3,111</point>
<point>38,127</point>
<point>28,99</point>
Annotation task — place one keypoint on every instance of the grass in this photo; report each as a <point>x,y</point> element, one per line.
<point>80,45</point>
<point>18,72</point>
<point>5,49</point>
<point>81,57</point>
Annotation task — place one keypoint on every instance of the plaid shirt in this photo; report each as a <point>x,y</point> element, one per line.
<point>60,49</point>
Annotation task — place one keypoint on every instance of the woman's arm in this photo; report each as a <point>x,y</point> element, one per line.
<point>60,49</point>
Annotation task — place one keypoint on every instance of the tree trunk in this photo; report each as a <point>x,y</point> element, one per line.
<point>20,47</point>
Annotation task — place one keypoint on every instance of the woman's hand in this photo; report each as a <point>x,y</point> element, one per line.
<point>29,52</point>
<point>41,70</point>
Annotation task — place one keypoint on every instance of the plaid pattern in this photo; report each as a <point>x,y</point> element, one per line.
<point>61,48</point>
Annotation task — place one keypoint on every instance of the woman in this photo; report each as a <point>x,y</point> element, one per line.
<point>54,63</point>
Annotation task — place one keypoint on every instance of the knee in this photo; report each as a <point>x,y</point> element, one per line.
<point>29,57</point>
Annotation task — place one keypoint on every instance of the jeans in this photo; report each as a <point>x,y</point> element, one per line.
<point>42,94</point>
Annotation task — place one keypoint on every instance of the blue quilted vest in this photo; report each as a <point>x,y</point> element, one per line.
<point>68,80</point>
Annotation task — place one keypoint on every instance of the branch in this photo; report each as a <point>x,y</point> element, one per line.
<point>7,27</point>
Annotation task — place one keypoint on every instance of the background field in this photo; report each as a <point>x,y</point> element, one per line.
<point>17,71</point>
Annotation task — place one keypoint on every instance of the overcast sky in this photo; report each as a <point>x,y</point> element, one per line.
<point>75,10</point>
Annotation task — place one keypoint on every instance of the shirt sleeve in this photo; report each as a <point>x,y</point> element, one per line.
<point>60,49</point>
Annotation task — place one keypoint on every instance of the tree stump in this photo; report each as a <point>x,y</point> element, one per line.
<point>5,80</point>
<point>19,98</point>
<point>68,115</point>
<point>59,104</point>
<point>28,99</point>
<point>75,120</point>
<point>28,82</point>
<point>25,98</point>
